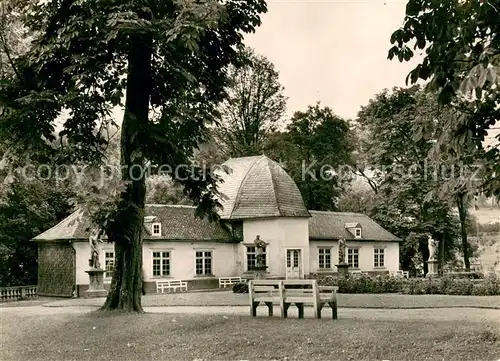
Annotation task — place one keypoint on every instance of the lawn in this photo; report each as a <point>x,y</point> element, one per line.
<point>96,336</point>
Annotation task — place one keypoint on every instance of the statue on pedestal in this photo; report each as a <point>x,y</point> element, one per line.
<point>94,253</point>
<point>260,267</point>
<point>342,267</point>
<point>96,274</point>
<point>432,248</point>
<point>260,245</point>
<point>342,250</point>
<point>432,263</point>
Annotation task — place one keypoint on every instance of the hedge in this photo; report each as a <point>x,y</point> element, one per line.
<point>447,285</point>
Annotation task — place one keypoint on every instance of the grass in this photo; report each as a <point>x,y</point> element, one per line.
<point>344,300</point>
<point>98,336</point>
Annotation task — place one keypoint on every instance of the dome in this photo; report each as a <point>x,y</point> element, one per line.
<point>257,187</point>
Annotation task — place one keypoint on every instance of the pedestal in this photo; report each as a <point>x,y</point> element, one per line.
<point>259,272</point>
<point>342,270</point>
<point>432,268</point>
<point>96,284</point>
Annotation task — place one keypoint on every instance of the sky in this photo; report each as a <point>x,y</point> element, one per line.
<point>332,51</point>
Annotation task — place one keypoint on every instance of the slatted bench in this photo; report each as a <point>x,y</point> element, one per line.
<point>400,273</point>
<point>286,293</point>
<point>328,296</point>
<point>228,281</point>
<point>268,292</point>
<point>169,285</point>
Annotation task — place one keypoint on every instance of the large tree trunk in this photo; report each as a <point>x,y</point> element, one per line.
<point>125,229</point>
<point>442,242</point>
<point>424,251</point>
<point>462,213</point>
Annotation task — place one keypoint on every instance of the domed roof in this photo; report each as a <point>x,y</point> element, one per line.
<point>257,187</point>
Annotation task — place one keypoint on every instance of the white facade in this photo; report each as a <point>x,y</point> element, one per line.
<point>261,199</point>
<point>180,262</point>
<point>289,254</point>
<point>368,256</point>
<point>284,236</point>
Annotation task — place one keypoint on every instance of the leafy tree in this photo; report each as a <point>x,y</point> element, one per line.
<point>14,38</point>
<point>403,176</point>
<point>461,41</point>
<point>167,58</point>
<point>254,108</point>
<point>163,190</point>
<point>356,198</point>
<point>28,209</point>
<point>315,148</point>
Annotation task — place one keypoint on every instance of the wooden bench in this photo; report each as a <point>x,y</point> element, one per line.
<point>268,292</point>
<point>227,281</point>
<point>170,285</point>
<point>286,293</point>
<point>400,273</point>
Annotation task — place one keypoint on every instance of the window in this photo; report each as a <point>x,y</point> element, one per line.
<point>357,232</point>
<point>109,264</point>
<point>252,257</point>
<point>203,262</point>
<point>353,257</point>
<point>161,264</point>
<point>325,258</point>
<point>378,257</point>
<point>156,229</point>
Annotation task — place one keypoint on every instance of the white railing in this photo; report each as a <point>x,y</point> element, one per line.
<point>17,293</point>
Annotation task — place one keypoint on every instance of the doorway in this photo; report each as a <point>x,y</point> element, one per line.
<point>293,264</point>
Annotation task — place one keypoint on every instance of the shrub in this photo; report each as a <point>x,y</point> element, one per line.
<point>447,285</point>
<point>413,287</point>
<point>327,280</point>
<point>366,284</point>
<point>489,287</point>
<point>458,287</point>
<point>240,288</point>
<point>466,275</point>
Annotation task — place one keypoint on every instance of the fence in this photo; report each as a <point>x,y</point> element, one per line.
<point>17,293</point>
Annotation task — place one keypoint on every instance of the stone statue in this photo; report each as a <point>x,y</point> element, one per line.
<point>94,252</point>
<point>432,248</point>
<point>342,250</point>
<point>260,245</point>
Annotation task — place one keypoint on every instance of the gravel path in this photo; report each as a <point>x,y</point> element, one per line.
<point>385,301</point>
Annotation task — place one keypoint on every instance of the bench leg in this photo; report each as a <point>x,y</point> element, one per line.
<point>300,307</point>
<point>270,308</point>
<point>253,309</point>
<point>318,312</point>
<point>285,310</point>
<point>333,305</point>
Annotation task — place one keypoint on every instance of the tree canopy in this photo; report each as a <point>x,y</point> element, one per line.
<point>460,44</point>
<point>254,108</point>
<point>395,160</point>
<point>314,148</point>
<point>168,60</point>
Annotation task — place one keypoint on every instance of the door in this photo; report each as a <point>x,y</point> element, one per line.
<point>293,263</point>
